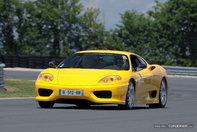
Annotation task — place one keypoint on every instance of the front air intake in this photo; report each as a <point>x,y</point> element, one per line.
<point>45,92</point>
<point>103,94</point>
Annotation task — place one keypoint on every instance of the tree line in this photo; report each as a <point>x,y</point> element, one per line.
<point>166,35</point>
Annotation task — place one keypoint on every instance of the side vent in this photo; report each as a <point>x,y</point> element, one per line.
<point>152,68</point>
<point>153,94</point>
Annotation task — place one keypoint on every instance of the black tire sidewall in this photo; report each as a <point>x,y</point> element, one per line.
<point>127,104</point>
<point>160,102</point>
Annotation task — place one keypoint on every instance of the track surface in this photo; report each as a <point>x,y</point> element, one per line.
<point>24,115</point>
<point>22,75</point>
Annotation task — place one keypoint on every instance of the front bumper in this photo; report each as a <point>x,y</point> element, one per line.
<point>118,93</point>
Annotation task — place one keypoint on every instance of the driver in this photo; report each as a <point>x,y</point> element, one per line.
<point>119,62</point>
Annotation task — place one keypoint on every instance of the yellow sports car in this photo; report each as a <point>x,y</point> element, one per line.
<point>103,77</point>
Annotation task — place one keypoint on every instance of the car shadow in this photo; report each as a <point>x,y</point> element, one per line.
<point>99,107</point>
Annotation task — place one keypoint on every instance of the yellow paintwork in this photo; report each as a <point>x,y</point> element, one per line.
<point>90,80</point>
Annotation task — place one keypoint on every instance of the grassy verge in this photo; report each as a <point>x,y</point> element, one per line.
<point>18,88</point>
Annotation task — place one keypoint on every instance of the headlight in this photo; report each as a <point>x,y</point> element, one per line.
<point>110,79</point>
<point>46,77</point>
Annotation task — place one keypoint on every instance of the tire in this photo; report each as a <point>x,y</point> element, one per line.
<point>162,96</point>
<point>44,104</point>
<point>83,105</point>
<point>129,97</point>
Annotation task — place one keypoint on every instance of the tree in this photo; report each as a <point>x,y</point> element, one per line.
<point>49,27</point>
<point>7,27</point>
<point>166,35</point>
<point>140,34</point>
<point>177,19</point>
<point>15,29</point>
<point>55,21</point>
<point>92,32</point>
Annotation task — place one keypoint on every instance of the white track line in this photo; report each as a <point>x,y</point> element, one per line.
<point>180,76</point>
<point>22,69</point>
<point>17,98</point>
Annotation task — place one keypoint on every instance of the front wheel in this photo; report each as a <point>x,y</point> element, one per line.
<point>162,96</point>
<point>44,104</point>
<point>129,98</point>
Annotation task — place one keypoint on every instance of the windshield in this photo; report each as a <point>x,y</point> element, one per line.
<point>96,61</point>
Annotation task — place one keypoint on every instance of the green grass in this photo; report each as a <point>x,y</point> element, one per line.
<point>19,88</point>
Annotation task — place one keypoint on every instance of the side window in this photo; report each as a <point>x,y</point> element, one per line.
<point>141,61</point>
<point>136,62</point>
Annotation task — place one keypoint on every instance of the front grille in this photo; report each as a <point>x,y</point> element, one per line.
<point>45,92</point>
<point>103,94</point>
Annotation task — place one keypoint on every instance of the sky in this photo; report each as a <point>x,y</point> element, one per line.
<point>110,10</point>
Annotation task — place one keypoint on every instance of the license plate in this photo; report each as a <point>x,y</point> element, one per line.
<point>71,92</point>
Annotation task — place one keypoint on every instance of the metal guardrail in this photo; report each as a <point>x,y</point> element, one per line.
<point>177,70</point>
<point>29,61</point>
<point>2,77</point>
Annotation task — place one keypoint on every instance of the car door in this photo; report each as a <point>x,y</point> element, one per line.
<point>139,66</point>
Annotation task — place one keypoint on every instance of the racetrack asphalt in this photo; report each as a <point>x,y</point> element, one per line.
<point>24,115</point>
<point>21,74</point>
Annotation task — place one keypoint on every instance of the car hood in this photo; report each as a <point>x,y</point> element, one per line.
<point>81,76</point>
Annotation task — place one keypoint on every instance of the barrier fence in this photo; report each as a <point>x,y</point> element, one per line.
<point>29,61</point>
<point>2,77</point>
<point>177,70</point>
<point>43,61</point>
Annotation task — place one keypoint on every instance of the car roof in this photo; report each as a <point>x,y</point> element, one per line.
<point>106,51</point>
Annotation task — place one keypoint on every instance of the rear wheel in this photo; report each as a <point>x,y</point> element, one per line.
<point>44,104</point>
<point>162,96</point>
<point>129,98</point>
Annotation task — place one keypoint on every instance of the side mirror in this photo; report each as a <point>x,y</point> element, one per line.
<point>142,66</point>
<point>52,64</point>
